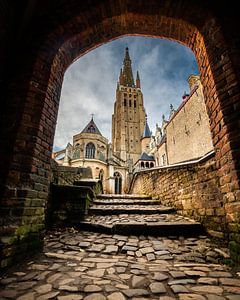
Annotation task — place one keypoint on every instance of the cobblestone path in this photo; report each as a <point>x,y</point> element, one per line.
<point>77,264</point>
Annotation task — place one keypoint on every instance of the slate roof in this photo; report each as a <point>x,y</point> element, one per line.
<point>146,157</point>
<point>91,128</point>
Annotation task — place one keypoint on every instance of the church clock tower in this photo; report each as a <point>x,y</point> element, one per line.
<point>128,119</point>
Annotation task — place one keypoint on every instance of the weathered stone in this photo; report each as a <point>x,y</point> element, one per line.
<point>195,273</point>
<point>95,296</point>
<point>68,288</point>
<point>146,250</point>
<point>28,296</point>
<point>150,256</point>
<point>91,288</point>
<point>159,276</point>
<point>135,292</point>
<point>157,288</point>
<point>84,244</point>
<point>116,296</point>
<point>139,281</point>
<point>10,294</point>
<point>191,297</point>
<point>177,274</point>
<point>208,280</point>
<point>70,297</point>
<point>177,288</point>
<point>111,249</point>
<point>51,295</point>
<point>215,297</point>
<point>229,281</point>
<point>128,248</point>
<point>96,273</point>
<point>211,289</point>
<point>104,265</point>
<point>219,274</point>
<point>181,281</point>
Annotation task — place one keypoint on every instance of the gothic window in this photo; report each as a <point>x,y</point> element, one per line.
<point>135,104</point>
<point>117,183</point>
<point>142,164</point>
<point>125,102</point>
<point>130,103</point>
<point>130,95</point>
<point>90,151</point>
<point>91,129</point>
<point>147,164</point>
<point>151,165</point>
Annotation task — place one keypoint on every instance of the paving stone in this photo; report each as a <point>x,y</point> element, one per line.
<point>43,289</point>
<point>97,248</point>
<point>191,297</point>
<point>216,297</point>
<point>70,297</point>
<point>166,298</point>
<point>208,280</point>
<point>159,276</point>
<point>91,288</point>
<point>95,296</point>
<point>231,297</point>
<point>129,248</point>
<point>42,275</point>
<point>157,288</point>
<point>116,296</point>
<point>135,292</point>
<point>104,265</point>
<point>150,256</point>
<point>51,295</point>
<point>139,281</point>
<point>22,285</point>
<point>177,274</point>
<point>195,273</point>
<point>6,281</point>
<point>137,266</point>
<point>219,274</point>
<point>229,281</point>
<point>111,249</point>
<point>84,244</point>
<point>232,289</point>
<point>178,288</point>
<point>211,289</point>
<point>181,281</point>
<point>28,296</point>
<point>10,294</point>
<point>96,273</point>
<point>146,250</point>
<point>68,288</point>
<point>38,267</point>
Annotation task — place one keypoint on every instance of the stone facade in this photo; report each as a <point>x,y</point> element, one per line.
<point>186,135</point>
<point>91,150</point>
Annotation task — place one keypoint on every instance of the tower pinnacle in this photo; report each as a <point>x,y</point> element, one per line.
<point>127,70</point>
<point>138,83</point>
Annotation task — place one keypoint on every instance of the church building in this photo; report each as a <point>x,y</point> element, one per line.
<point>112,163</point>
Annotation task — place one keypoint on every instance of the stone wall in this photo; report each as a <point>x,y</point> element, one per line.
<point>188,132</point>
<point>194,190</point>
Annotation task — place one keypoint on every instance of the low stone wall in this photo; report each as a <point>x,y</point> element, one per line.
<point>194,190</point>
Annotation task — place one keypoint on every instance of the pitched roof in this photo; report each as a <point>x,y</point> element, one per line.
<point>91,128</point>
<point>147,132</point>
<point>145,156</point>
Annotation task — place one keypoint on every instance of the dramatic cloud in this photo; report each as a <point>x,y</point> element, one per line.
<point>90,83</point>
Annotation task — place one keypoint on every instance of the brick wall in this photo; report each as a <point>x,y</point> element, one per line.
<point>194,190</point>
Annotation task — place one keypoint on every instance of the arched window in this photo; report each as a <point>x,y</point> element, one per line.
<point>101,174</point>
<point>90,150</point>
<point>151,165</point>
<point>147,164</point>
<point>117,183</point>
<point>142,164</point>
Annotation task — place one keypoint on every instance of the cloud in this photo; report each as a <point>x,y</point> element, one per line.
<point>90,83</point>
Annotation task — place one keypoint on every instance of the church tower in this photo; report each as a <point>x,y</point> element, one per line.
<point>128,119</point>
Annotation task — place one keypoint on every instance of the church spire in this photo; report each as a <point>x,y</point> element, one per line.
<point>127,70</point>
<point>138,83</point>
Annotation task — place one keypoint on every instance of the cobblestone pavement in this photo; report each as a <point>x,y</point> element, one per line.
<point>94,266</point>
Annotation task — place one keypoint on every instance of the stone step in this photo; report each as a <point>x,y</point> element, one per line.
<point>189,229</point>
<point>126,201</point>
<point>123,196</point>
<point>135,224</point>
<point>129,209</point>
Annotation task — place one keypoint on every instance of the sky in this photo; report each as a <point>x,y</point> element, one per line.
<point>89,85</point>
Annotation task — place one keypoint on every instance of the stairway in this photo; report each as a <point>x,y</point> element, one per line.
<point>137,215</point>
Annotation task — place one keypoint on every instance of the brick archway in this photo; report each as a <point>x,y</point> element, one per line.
<point>35,91</point>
